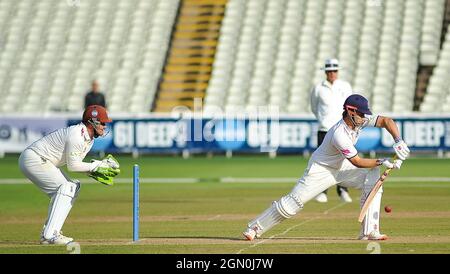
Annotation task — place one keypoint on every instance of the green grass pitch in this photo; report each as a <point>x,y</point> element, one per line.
<point>209,215</point>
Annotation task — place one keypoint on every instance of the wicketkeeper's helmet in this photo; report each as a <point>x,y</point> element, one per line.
<point>96,113</point>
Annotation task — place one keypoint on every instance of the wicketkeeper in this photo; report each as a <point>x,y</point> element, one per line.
<point>335,161</point>
<point>41,162</point>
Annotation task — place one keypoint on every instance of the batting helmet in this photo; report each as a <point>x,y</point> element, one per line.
<point>357,102</point>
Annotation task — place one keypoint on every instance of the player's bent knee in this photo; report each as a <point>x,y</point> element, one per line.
<point>69,188</point>
<point>289,205</point>
<point>371,179</point>
<point>78,186</point>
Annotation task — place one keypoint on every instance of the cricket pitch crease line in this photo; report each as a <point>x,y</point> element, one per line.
<point>224,180</point>
<point>290,228</point>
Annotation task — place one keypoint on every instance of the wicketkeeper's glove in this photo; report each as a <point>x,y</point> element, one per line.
<point>105,170</point>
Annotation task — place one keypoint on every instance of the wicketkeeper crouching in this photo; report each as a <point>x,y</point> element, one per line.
<point>42,160</point>
<point>336,161</point>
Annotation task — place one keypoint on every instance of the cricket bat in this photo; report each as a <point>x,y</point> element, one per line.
<point>374,191</point>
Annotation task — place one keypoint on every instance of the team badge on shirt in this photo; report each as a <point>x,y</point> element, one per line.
<point>346,152</point>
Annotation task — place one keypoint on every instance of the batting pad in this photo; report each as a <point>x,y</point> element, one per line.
<point>372,220</point>
<point>269,218</point>
<point>60,208</point>
<point>280,210</point>
<point>289,205</point>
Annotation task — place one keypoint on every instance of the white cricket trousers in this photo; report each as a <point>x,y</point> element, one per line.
<point>43,173</point>
<point>317,178</point>
<point>53,182</point>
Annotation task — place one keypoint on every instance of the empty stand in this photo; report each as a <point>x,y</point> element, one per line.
<point>54,49</point>
<point>431,32</point>
<point>437,98</point>
<point>189,63</point>
<point>236,54</point>
<point>270,52</point>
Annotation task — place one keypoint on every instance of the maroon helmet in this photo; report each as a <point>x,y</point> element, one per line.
<point>96,113</point>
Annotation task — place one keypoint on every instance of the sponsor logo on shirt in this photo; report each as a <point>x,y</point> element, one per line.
<point>345,151</point>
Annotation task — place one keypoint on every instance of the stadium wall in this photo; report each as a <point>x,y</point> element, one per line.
<point>192,133</point>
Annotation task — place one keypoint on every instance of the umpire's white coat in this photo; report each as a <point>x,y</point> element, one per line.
<point>327,101</point>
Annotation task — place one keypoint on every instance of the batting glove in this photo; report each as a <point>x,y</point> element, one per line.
<point>401,149</point>
<point>396,164</point>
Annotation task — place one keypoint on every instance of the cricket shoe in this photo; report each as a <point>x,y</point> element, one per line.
<point>251,233</point>
<point>322,198</point>
<point>374,236</point>
<point>345,197</point>
<point>57,240</point>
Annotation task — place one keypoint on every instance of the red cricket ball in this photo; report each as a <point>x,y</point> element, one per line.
<point>388,209</point>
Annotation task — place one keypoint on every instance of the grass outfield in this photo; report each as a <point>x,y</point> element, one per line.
<point>209,216</point>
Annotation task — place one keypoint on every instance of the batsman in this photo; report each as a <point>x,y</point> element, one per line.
<point>336,161</point>
<point>42,160</point>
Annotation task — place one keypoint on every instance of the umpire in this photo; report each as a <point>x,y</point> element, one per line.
<point>327,99</point>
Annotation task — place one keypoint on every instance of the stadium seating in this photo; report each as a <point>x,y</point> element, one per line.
<point>431,32</point>
<point>271,53</point>
<point>54,49</point>
<point>305,61</point>
<point>408,61</point>
<point>437,98</point>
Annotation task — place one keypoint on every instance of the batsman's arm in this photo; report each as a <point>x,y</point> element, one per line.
<point>401,148</point>
<point>389,124</point>
<point>364,162</point>
<point>370,163</point>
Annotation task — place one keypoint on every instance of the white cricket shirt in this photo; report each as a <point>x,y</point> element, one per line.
<point>339,144</point>
<point>66,146</point>
<point>327,102</point>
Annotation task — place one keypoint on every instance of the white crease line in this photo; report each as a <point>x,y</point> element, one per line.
<point>237,180</point>
<point>161,180</point>
<point>289,180</point>
<point>20,181</point>
<point>289,229</point>
<point>258,180</point>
